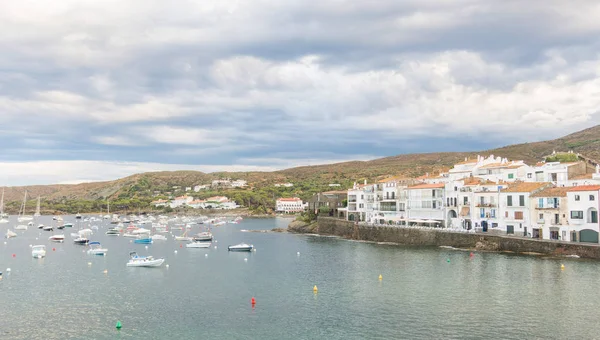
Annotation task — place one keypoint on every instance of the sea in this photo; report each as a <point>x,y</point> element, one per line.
<point>423,293</point>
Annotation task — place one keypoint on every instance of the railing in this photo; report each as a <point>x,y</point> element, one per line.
<point>486,205</point>
<point>537,206</point>
<point>542,221</point>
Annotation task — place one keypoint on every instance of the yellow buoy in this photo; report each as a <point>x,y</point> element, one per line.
<point>315,289</point>
<point>380,277</point>
<point>562,266</point>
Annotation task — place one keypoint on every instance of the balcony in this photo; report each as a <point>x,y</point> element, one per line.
<point>542,221</point>
<point>546,207</point>
<point>352,200</point>
<point>486,205</point>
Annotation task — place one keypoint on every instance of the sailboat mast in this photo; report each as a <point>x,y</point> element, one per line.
<point>2,203</point>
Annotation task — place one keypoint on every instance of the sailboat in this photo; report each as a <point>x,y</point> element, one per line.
<point>37,208</point>
<point>22,217</point>
<point>107,216</point>
<point>3,215</point>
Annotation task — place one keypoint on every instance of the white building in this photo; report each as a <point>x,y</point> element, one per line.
<point>201,187</point>
<point>181,201</point>
<point>160,203</point>
<point>514,203</point>
<point>426,202</point>
<point>240,183</point>
<point>356,208</point>
<point>549,210</point>
<point>557,173</point>
<point>584,204</point>
<point>290,205</point>
<point>285,185</point>
<point>216,202</point>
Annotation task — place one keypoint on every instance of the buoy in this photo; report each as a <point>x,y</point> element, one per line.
<point>380,277</point>
<point>14,255</point>
<point>205,255</point>
<point>175,251</point>
<point>118,326</point>
<point>181,246</point>
<point>8,270</point>
<point>53,249</point>
<point>215,247</point>
<point>146,247</point>
<point>246,259</point>
<point>30,245</point>
<point>448,260</point>
<point>4,242</point>
<point>253,301</point>
<point>105,271</point>
<point>298,253</point>
<point>562,266</point>
<point>315,289</point>
<point>167,266</point>
<point>89,263</point>
<point>471,254</point>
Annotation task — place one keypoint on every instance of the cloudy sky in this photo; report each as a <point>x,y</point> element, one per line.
<point>93,90</point>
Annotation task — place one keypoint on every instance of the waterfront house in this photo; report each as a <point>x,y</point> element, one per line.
<point>486,203</point>
<point>556,172</point>
<point>289,205</point>
<point>181,201</point>
<point>391,199</point>
<point>357,198</point>
<point>426,204</point>
<point>332,201</point>
<point>583,203</point>
<point>514,206</point>
<point>548,214</point>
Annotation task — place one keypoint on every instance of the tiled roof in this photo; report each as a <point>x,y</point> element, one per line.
<point>335,192</point>
<point>525,186</point>
<point>428,186</point>
<point>291,199</point>
<point>585,188</point>
<point>552,192</point>
<point>477,181</point>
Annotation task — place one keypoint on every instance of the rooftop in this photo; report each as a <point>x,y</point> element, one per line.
<point>585,188</point>
<point>552,192</point>
<point>428,186</point>
<point>526,186</point>
<point>289,199</point>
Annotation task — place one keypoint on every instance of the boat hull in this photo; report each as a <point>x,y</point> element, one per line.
<point>236,248</point>
<point>145,263</point>
<point>198,245</point>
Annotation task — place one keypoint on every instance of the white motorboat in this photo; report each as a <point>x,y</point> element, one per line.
<point>140,231</point>
<point>81,240</point>
<point>21,227</point>
<point>113,232</point>
<point>96,249</point>
<point>10,233</point>
<point>198,244</point>
<point>143,261</point>
<point>48,228</point>
<point>204,236</point>
<point>130,235</point>
<point>38,251</point>
<point>159,237</point>
<point>4,220</point>
<point>241,247</point>
<point>57,238</point>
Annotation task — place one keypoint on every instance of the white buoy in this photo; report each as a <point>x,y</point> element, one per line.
<point>215,247</point>
<point>298,253</point>
<point>8,270</point>
<point>175,251</point>
<point>146,247</point>
<point>36,238</point>
<point>167,266</point>
<point>246,259</point>
<point>4,242</point>
<point>216,241</point>
<point>89,263</point>
<point>253,249</point>
<point>30,246</point>
<point>205,255</point>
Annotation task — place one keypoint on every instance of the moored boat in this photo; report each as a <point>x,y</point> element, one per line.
<point>57,238</point>
<point>198,244</point>
<point>10,233</point>
<point>241,247</point>
<point>143,261</point>
<point>21,227</point>
<point>158,237</point>
<point>38,251</point>
<point>113,232</point>
<point>47,228</point>
<point>96,249</point>
<point>203,236</point>
<point>81,240</point>
<point>145,240</point>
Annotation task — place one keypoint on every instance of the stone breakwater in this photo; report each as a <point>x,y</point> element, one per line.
<point>425,237</point>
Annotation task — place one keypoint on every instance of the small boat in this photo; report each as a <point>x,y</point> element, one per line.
<point>76,235</point>
<point>113,232</point>
<point>85,232</point>
<point>96,249</point>
<point>60,227</point>
<point>204,236</point>
<point>57,238</point>
<point>10,233</point>
<point>241,247</point>
<point>159,237</point>
<point>78,216</point>
<point>38,251</point>
<point>48,228</point>
<point>130,235</point>
<point>68,225</point>
<point>140,231</point>
<point>41,226</point>
<point>197,244</point>
<point>81,240</point>
<point>143,261</point>
<point>21,227</point>
<point>145,240</point>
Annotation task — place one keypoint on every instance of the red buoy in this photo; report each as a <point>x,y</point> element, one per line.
<point>181,246</point>
<point>14,255</point>
<point>53,249</point>
<point>471,255</point>
<point>253,301</point>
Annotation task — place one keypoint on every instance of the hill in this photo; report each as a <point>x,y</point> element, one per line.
<point>307,179</point>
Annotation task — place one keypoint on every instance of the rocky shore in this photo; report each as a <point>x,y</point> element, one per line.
<point>300,227</point>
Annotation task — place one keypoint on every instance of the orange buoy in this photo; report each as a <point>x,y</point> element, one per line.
<point>14,255</point>
<point>253,301</point>
<point>181,246</point>
<point>471,254</point>
<point>53,249</point>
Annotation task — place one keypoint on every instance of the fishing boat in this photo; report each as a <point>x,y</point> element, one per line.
<point>145,240</point>
<point>241,247</point>
<point>57,238</point>
<point>197,244</point>
<point>10,233</point>
<point>38,251</point>
<point>203,236</point>
<point>81,240</point>
<point>143,261</point>
<point>96,249</point>
<point>47,228</point>
<point>22,217</point>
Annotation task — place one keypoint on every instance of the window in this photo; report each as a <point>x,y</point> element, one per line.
<point>482,213</point>
<point>518,215</point>
<point>592,198</point>
<point>506,214</point>
<point>541,216</point>
<point>465,200</point>
<point>511,176</point>
<point>529,175</point>
<point>577,215</point>
<point>509,201</point>
<point>510,229</point>
<point>577,198</point>
<point>455,188</point>
<point>540,202</point>
<point>521,200</point>
<point>493,213</point>
<point>362,197</point>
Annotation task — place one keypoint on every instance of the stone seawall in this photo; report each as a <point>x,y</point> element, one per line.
<point>424,237</point>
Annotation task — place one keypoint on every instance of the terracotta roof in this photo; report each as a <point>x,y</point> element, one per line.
<point>509,165</point>
<point>292,199</point>
<point>477,181</point>
<point>552,192</point>
<point>585,188</point>
<point>428,186</point>
<point>525,186</point>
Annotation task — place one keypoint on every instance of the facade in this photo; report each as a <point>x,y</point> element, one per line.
<point>201,187</point>
<point>514,203</point>
<point>289,205</point>
<point>549,210</point>
<point>239,183</point>
<point>180,201</point>
<point>556,173</point>
<point>333,201</point>
<point>426,204</point>
<point>583,204</point>
<point>160,203</point>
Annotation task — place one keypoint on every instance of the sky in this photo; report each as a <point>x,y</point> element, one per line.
<point>97,90</point>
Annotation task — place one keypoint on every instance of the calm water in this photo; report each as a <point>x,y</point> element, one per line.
<point>421,296</point>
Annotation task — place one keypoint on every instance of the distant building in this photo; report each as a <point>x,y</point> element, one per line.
<point>335,185</point>
<point>201,187</point>
<point>181,201</point>
<point>160,203</point>
<point>239,183</point>
<point>220,183</point>
<point>583,213</point>
<point>332,200</point>
<point>289,205</point>
<point>286,185</point>
<point>188,188</point>
<point>216,202</point>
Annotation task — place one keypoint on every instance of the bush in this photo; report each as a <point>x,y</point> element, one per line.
<point>563,158</point>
